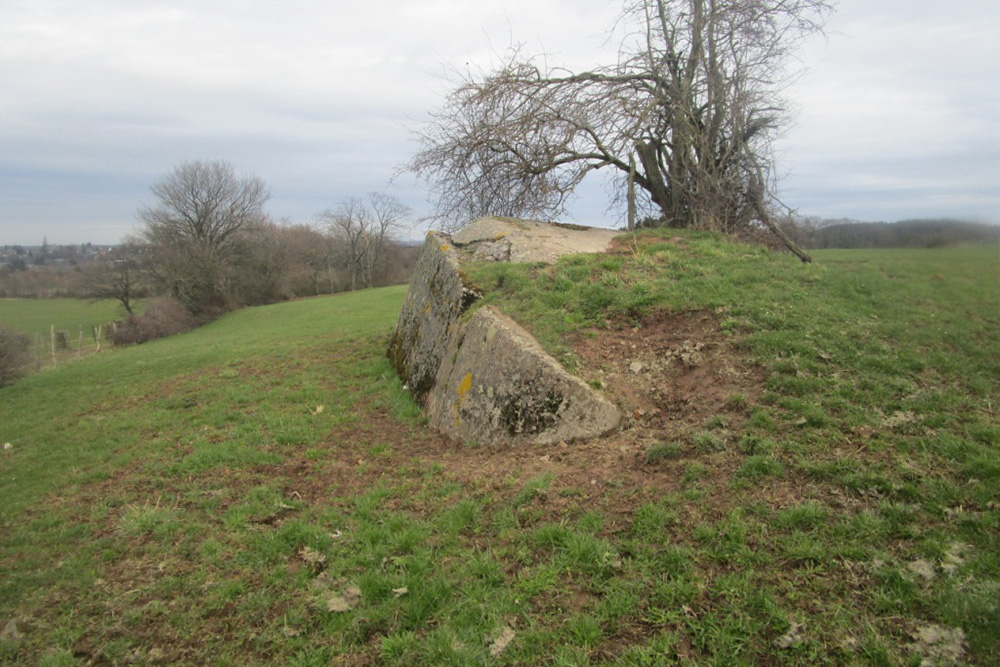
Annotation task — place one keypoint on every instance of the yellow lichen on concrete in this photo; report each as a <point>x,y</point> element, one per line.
<point>463,388</point>
<point>465,385</point>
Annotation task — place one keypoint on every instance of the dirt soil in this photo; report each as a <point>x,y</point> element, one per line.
<point>672,373</point>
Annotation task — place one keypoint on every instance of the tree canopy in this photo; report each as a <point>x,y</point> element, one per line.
<point>196,231</point>
<point>687,114</point>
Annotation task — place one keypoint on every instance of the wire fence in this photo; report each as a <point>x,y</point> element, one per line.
<point>61,346</point>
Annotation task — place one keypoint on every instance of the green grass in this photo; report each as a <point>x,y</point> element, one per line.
<point>263,491</point>
<point>38,315</point>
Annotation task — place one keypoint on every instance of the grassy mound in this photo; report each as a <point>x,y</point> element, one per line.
<point>811,476</point>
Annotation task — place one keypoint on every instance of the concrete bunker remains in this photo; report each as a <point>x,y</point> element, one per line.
<point>484,378</point>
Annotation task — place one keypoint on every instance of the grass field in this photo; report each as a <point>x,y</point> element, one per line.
<point>36,317</point>
<point>263,491</point>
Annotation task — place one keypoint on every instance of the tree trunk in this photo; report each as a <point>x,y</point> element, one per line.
<point>655,183</point>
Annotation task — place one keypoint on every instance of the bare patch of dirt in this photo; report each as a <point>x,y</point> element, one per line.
<point>673,374</point>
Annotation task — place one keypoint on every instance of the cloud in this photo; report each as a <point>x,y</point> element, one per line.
<point>99,98</point>
<point>898,115</point>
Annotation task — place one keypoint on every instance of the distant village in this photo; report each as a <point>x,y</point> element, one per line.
<point>49,270</point>
<point>25,258</point>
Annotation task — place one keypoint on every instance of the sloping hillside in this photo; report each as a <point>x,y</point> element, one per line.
<point>810,476</point>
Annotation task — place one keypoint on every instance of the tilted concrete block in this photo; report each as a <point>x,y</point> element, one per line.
<point>485,379</point>
<point>497,386</point>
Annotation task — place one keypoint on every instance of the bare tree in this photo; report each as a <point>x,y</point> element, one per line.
<point>362,229</point>
<point>313,251</point>
<point>687,114</point>
<point>195,231</point>
<point>119,276</point>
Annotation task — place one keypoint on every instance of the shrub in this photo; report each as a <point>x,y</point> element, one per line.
<point>163,317</point>
<point>15,355</point>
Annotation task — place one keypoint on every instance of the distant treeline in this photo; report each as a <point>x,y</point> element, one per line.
<point>277,262</point>
<point>931,233</point>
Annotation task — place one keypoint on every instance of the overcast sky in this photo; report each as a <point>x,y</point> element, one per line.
<point>897,114</point>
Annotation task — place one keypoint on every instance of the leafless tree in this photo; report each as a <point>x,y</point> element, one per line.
<point>195,231</point>
<point>314,251</point>
<point>688,114</point>
<point>119,276</point>
<point>206,202</point>
<point>362,229</point>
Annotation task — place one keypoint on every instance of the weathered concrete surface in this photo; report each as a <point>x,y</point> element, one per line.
<point>436,299</point>
<point>508,240</point>
<point>485,379</point>
<point>497,386</point>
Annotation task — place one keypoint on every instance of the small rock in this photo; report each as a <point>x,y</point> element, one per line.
<point>636,367</point>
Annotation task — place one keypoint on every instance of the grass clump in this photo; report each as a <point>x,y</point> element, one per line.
<point>664,451</point>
